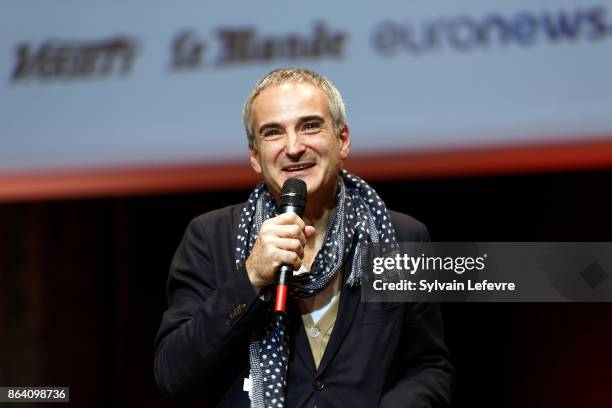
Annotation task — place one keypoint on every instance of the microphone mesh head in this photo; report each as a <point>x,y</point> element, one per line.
<point>293,193</point>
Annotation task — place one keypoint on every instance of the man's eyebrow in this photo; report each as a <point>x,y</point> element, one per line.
<point>311,117</point>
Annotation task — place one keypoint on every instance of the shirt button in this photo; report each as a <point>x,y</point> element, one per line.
<point>318,385</point>
<point>314,332</point>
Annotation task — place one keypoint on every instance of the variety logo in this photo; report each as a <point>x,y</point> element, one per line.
<point>75,59</point>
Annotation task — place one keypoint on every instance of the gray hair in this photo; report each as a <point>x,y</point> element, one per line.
<point>284,75</point>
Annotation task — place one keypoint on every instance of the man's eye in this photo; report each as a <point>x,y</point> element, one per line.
<point>312,126</point>
<point>271,132</point>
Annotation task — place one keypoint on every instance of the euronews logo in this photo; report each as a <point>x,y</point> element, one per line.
<point>465,33</point>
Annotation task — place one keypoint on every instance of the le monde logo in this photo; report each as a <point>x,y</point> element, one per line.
<point>244,45</point>
<point>65,60</point>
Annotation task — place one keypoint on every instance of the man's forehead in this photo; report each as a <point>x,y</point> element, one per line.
<point>289,100</point>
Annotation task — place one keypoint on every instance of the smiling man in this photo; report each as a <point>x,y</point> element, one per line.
<point>219,338</point>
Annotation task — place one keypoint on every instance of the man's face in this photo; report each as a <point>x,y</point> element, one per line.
<point>294,137</point>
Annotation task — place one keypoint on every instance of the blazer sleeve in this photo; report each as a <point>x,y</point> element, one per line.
<point>426,375</point>
<point>209,311</point>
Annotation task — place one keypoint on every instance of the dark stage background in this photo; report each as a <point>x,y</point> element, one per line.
<point>82,290</point>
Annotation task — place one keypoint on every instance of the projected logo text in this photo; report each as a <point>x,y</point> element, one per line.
<point>57,59</point>
<point>468,33</point>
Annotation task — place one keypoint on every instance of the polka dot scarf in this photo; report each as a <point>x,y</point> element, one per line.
<point>361,217</point>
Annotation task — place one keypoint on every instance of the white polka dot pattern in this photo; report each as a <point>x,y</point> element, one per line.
<point>361,217</point>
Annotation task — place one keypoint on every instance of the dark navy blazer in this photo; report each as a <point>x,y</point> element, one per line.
<point>379,354</point>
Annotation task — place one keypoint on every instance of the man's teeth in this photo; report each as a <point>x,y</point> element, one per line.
<point>295,168</point>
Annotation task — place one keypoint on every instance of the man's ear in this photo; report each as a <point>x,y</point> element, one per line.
<point>254,159</point>
<point>344,138</point>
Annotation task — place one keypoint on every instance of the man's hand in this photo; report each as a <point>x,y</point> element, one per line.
<point>281,241</point>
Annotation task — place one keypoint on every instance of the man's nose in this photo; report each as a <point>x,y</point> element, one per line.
<point>294,146</point>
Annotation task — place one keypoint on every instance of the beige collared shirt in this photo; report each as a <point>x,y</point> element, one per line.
<point>319,332</point>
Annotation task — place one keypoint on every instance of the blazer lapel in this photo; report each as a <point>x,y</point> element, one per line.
<point>349,302</point>
<point>302,347</point>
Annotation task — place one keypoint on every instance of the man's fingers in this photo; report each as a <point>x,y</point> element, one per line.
<point>291,244</point>
<point>290,258</point>
<point>288,218</point>
<point>288,231</point>
<point>309,231</point>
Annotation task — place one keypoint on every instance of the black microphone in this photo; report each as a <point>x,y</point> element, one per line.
<point>292,200</point>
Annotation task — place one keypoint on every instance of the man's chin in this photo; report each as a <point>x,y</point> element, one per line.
<point>313,183</point>
<point>302,174</point>
<point>307,178</point>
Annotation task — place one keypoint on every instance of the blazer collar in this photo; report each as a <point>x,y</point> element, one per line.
<point>349,303</point>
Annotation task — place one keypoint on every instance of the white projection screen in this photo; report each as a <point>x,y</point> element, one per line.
<point>116,97</point>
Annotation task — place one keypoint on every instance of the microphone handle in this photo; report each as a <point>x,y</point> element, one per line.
<point>285,272</point>
<point>284,275</point>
